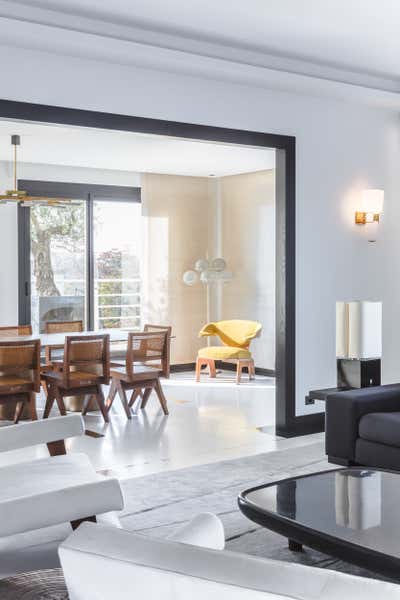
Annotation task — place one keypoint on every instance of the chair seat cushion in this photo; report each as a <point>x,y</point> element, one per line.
<point>224,352</point>
<point>140,373</point>
<point>76,378</point>
<point>53,490</point>
<point>383,428</point>
<point>15,384</point>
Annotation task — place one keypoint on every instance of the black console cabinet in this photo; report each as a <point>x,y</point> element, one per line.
<point>351,374</point>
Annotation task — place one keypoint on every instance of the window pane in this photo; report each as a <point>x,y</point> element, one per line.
<point>58,264</point>
<point>117,254</point>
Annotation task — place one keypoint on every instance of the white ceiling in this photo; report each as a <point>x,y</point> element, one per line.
<point>359,36</point>
<point>93,148</point>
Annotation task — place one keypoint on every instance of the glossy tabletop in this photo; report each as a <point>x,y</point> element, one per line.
<point>352,513</point>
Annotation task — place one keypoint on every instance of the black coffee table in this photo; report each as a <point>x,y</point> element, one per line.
<point>352,514</point>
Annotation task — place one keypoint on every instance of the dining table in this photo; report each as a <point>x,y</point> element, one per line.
<point>54,340</point>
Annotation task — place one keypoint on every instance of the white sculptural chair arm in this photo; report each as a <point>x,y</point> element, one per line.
<point>204,530</point>
<point>47,491</point>
<point>45,431</point>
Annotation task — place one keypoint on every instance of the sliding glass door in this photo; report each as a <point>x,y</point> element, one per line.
<point>81,261</point>
<point>117,260</point>
<point>58,260</point>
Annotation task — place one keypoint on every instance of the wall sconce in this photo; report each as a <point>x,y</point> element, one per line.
<point>371,207</point>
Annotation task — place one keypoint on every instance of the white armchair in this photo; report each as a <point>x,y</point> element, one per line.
<point>102,563</point>
<point>46,492</point>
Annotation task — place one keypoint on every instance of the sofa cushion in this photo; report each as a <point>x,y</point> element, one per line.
<point>383,428</point>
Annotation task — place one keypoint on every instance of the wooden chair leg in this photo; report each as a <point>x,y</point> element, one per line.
<point>111,394</point>
<point>211,367</point>
<point>49,401</point>
<point>18,411</point>
<point>44,385</point>
<point>32,406</point>
<point>124,399</point>
<point>135,395</point>
<point>238,371</point>
<point>86,403</point>
<point>252,370</point>
<point>146,395</point>
<point>161,397</point>
<point>60,401</point>
<point>56,448</point>
<point>101,404</point>
<point>199,363</point>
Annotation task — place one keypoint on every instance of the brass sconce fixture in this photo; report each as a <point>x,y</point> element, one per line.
<point>371,207</point>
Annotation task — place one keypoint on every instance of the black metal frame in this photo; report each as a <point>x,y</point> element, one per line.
<point>300,534</point>
<point>88,193</point>
<point>287,423</point>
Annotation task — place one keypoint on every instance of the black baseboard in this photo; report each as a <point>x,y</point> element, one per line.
<point>265,372</point>
<point>220,364</point>
<point>183,367</point>
<point>303,425</point>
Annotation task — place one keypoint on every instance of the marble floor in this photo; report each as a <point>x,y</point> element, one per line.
<point>208,422</point>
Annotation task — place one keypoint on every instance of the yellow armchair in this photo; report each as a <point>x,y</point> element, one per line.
<point>236,336</point>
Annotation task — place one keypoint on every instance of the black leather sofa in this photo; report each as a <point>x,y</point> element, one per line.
<point>363,427</point>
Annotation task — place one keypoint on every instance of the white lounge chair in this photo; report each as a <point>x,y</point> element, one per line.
<point>46,492</point>
<point>103,563</point>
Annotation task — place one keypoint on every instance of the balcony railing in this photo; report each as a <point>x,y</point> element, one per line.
<point>117,301</point>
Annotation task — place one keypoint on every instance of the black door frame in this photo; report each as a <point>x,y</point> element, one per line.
<point>287,423</point>
<point>88,193</point>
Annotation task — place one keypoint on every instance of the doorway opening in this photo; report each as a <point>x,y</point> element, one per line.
<point>286,421</point>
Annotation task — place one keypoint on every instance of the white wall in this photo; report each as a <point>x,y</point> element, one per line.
<point>341,148</point>
<point>177,212</point>
<point>248,244</point>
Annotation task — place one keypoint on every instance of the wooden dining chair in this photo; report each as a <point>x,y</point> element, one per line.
<point>85,368</point>
<point>15,330</point>
<point>166,364</point>
<point>146,353</point>
<point>20,375</point>
<point>63,326</point>
<point>60,327</point>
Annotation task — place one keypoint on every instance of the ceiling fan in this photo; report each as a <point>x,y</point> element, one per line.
<point>20,196</point>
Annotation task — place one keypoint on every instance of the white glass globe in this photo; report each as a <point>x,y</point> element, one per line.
<point>190,277</point>
<point>201,265</point>
<point>208,276</point>
<point>219,264</point>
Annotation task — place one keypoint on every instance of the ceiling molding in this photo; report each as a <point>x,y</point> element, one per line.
<point>50,31</point>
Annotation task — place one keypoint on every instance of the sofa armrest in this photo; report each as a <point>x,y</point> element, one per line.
<point>344,411</point>
<point>204,530</point>
<point>40,432</point>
